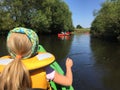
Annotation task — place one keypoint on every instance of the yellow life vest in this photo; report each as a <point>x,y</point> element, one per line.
<point>34,65</point>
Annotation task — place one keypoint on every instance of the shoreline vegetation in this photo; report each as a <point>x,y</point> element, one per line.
<point>106,24</point>
<point>81,30</point>
<point>88,31</point>
<point>45,16</point>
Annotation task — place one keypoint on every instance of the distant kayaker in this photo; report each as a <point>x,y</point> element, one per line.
<point>26,68</point>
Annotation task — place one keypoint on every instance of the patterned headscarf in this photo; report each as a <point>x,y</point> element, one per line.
<point>33,37</point>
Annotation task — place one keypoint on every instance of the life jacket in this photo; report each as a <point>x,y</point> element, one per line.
<point>35,66</point>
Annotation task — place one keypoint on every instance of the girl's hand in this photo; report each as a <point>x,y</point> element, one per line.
<point>69,63</point>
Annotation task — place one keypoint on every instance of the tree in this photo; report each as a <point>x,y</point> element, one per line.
<point>107,20</point>
<point>78,26</point>
<point>61,17</point>
<point>41,15</point>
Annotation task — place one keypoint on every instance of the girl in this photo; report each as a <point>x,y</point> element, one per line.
<point>25,67</point>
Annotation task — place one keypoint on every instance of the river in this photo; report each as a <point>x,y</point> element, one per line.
<point>96,62</point>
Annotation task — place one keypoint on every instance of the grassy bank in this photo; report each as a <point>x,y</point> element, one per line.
<point>82,30</point>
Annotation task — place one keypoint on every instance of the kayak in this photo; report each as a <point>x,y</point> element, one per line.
<point>56,67</point>
<point>61,34</point>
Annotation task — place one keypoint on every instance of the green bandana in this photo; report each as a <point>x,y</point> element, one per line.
<point>30,34</point>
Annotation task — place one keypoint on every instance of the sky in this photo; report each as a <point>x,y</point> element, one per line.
<point>82,11</point>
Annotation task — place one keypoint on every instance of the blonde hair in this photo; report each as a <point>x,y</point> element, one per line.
<point>15,76</point>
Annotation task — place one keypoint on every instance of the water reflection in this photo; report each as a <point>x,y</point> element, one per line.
<point>3,49</point>
<point>86,75</point>
<point>107,56</point>
<point>64,37</point>
<point>60,48</point>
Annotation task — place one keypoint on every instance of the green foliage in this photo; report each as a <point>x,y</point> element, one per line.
<point>61,17</point>
<point>107,20</point>
<point>41,15</point>
<point>81,30</point>
<point>78,26</point>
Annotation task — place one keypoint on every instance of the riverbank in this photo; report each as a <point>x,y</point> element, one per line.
<point>82,30</point>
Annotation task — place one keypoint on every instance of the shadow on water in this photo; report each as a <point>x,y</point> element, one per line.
<point>107,56</point>
<point>3,49</point>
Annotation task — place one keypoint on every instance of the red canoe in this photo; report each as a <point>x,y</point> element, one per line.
<point>64,34</point>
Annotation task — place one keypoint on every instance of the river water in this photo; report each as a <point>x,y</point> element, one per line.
<point>96,62</point>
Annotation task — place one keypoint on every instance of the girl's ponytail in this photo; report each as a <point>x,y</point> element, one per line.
<point>15,76</point>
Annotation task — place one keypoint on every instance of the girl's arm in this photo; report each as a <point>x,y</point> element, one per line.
<point>67,79</point>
